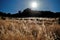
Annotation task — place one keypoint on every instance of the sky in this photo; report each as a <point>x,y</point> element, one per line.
<point>13,6</point>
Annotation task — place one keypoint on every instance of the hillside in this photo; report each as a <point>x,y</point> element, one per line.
<point>29,29</point>
<point>31,13</point>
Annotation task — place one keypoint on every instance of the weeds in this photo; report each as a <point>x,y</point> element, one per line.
<point>29,30</point>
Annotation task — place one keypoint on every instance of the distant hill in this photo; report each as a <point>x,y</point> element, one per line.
<point>31,13</point>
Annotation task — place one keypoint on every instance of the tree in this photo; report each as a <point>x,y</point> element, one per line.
<point>26,12</point>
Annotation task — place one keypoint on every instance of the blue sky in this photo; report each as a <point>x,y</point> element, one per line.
<point>13,6</point>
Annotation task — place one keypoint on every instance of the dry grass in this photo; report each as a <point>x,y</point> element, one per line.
<point>28,30</point>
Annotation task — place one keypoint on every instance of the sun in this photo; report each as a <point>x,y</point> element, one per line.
<point>34,5</point>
